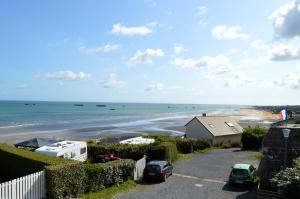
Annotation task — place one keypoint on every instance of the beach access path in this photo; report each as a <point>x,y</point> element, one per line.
<point>200,176</point>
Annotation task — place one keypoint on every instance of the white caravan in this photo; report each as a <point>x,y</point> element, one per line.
<point>75,150</point>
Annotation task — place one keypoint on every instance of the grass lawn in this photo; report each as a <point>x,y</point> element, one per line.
<point>110,192</point>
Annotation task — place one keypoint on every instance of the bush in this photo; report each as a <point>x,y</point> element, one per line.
<point>67,180</point>
<point>288,181</point>
<point>163,151</point>
<point>157,150</point>
<point>252,137</point>
<point>126,151</point>
<point>100,176</point>
<point>18,162</point>
<point>188,145</point>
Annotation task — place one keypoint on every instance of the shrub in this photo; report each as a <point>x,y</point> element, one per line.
<point>188,145</point>
<point>65,180</point>
<point>163,151</point>
<point>100,176</point>
<point>288,181</point>
<point>126,151</point>
<point>252,137</point>
<point>18,162</point>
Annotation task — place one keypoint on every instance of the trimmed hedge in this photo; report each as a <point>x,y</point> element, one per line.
<point>288,181</point>
<point>188,145</point>
<point>252,137</point>
<point>163,151</point>
<point>100,176</point>
<point>126,151</point>
<point>66,180</point>
<point>18,162</point>
<point>71,180</point>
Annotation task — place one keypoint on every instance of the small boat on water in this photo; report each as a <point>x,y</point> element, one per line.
<point>101,105</point>
<point>112,109</point>
<point>29,104</point>
<point>78,105</point>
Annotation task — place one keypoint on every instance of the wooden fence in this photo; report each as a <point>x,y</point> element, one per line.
<point>139,168</point>
<point>27,187</point>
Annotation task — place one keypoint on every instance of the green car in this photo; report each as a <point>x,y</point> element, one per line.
<point>242,174</point>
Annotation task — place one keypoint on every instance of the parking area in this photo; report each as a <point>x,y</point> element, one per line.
<point>200,176</point>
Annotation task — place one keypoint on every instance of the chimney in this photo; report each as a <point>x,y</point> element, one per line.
<point>203,114</point>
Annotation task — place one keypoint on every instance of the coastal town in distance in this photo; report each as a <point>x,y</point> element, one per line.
<point>150,99</point>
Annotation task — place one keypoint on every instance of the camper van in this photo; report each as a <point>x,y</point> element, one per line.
<point>75,150</point>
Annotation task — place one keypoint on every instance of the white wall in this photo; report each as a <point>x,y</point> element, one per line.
<point>194,129</point>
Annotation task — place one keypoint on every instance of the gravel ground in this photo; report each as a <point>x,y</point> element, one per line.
<point>200,176</point>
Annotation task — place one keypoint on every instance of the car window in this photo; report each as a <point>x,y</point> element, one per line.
<point>153,168</point>
<point>239,172</point>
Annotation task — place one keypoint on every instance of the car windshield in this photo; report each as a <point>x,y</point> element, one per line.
<point>153,168</point>
<point>239,172</point>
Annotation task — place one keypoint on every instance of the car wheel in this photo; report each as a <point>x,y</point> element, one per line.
<point>164,178</point>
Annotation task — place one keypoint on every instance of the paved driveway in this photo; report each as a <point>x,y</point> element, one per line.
<point>200,176</point>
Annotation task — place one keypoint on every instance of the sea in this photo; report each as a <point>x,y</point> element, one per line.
<point>91,119</point>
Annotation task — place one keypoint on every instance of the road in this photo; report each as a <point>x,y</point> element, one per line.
<point>200,176</point>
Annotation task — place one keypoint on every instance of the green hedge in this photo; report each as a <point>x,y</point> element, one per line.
<point>126,151</point>
<point>163,151</point>
<point>66,180</point>
<point>188,145</point>
<point>252,137</point>
<point>288,181</point>
<point>19,162</point>
<point>100,176</point>
<point>158,150</point>
<point>71,180</point>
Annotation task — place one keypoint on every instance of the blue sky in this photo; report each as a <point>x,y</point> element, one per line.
<point>216,52</point>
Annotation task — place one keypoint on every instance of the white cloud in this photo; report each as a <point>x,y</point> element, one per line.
<point>202,23</point>
<point>144,57</point>
<point>106,48</point>
<point>178,48</point>
<point>239,78</point>
<point>214,62</point>
<point>155,87</point>
<point>119,29</point>
<point>169,13</point>
<point>113,82</point>
<point>284,52</point>
<point>228,32</point>
<point>200,10</point>
<point>291,80</point>
<point>66,75</point>
<point>286,20</point>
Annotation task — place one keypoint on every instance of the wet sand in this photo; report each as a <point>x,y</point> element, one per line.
<point>245,117</point>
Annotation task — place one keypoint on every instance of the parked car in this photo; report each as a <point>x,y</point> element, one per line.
<point>242,174</point>
<point>106,158</point>
<point>158,170</point>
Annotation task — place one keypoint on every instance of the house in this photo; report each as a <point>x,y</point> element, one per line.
<point>76,150</point>
<point>215,129</point>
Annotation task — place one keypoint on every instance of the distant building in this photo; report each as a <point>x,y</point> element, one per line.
<point>138,140</point>
<point>273,150</point>
<point>76,150</point>
<point>215,129</point>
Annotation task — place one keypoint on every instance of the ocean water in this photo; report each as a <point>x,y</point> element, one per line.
<point>86,119</point>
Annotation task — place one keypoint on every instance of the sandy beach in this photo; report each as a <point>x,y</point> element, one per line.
<point>245,117</point>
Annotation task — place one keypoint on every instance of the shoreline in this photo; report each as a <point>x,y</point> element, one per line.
<point>245,117</point>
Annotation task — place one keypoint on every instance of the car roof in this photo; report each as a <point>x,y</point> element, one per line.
<point>157,162</point>
<point>241,166</point>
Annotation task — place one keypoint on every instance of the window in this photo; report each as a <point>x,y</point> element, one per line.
<point>82,150</point>
<point>229,124</point>
<point>211,125</point>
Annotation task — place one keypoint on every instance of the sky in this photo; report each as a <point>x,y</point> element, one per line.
<point>171,51</point>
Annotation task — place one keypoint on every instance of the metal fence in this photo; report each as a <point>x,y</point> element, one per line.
<point>32,186</point>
